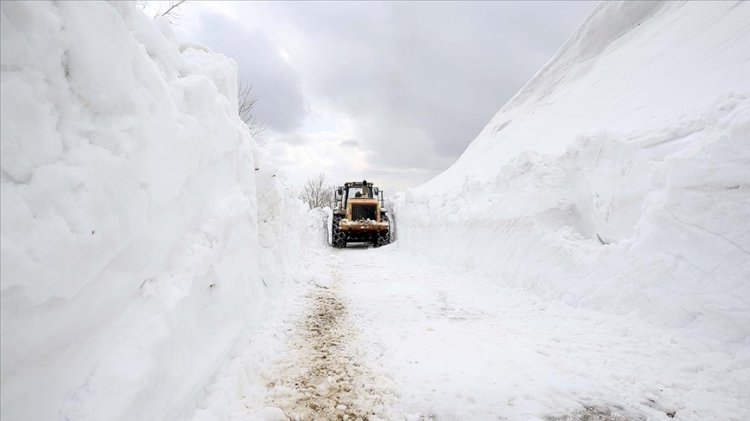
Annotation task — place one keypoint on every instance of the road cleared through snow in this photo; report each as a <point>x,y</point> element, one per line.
<point>323,376</point>
<point>458,347</point>
<point>386,335</point>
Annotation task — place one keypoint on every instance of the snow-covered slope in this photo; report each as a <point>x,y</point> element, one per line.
<point>618,178</point>
<point>137,218</point>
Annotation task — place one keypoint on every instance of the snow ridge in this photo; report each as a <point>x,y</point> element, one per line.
<point>137,215</point>
<point>617,178</point>
<point>617,181</point>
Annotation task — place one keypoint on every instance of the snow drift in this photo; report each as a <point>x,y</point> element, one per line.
<point>140,231</point>
<point>618,177</point>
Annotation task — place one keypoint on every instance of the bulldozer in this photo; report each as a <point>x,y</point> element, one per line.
<point>359,215</point>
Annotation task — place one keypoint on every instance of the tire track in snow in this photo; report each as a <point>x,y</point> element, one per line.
<point>323,377</point>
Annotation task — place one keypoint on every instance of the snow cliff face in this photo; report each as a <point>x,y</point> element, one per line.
<point>133,243</point>
<point>618,178</point>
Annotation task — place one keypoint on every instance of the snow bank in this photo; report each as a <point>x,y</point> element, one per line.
<point>618,177</point>
<point>140,232</point>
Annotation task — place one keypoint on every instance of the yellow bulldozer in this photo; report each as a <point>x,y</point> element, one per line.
<point>359,215</point>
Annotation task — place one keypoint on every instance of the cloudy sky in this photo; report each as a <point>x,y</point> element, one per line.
<point>388,91</point>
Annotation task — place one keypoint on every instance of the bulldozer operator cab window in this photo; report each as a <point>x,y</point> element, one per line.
<point>359,192</point>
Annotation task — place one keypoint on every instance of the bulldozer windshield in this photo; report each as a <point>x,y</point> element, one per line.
<point>364,192</point>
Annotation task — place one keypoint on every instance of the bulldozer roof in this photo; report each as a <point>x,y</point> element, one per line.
<point>357,184</point>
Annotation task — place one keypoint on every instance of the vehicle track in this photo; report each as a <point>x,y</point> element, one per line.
<point>324,378</point>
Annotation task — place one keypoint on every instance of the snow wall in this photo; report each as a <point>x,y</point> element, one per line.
<point>141,233</point>
<point>618,178</point>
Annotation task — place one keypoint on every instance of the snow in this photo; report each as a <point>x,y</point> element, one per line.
<point>306,361</point>
<point>616,184</point>
<point>139,243</point>
<point>587,256</point>
<point>416,340</point>
<point>360,222</point>
<point>617,178</point>
<point>459,347</point>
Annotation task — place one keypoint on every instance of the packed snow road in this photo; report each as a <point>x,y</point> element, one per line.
<point>386,335</point>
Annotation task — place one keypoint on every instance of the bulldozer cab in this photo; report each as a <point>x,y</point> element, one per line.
<point>356,190</point>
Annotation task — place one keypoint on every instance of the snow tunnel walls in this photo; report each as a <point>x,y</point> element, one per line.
<point>130,215</point>
<point>617,178</point>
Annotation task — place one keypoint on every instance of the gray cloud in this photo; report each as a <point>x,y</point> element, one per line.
<point>349,143</point>
<point>419,79</point>
<point>275,83</point>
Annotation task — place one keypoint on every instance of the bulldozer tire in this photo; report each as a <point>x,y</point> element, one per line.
<point>338,237</point>
<point>384,237</point>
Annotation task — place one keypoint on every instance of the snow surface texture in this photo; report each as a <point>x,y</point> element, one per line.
<point>383,334</point>
<point>618,178</point>
<point>141,233</point>
<point>460,347</point>
<point>307,361</point>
